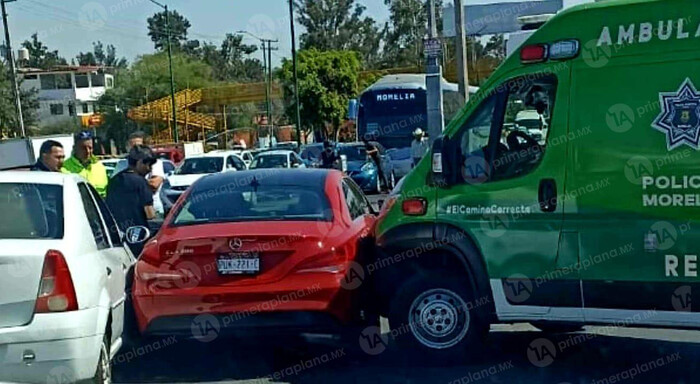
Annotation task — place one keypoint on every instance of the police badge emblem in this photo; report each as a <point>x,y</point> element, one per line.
<point>680,116</point>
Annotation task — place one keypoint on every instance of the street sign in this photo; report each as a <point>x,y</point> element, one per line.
<point>432,47</point>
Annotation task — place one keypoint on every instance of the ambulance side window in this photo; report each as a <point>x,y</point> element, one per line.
<point>523,134</point>
<point>506,136</point>
<point>474,140</point>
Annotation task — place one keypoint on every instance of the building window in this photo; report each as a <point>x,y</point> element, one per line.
<point>56,109</point>
<point>82,81</point>
<point>48,81</point>
<point>64,81</point>
<point>98,80</point>
<point>110,82</point>
<point>71,109</point>
<point>31,77</point>
<point>86,110</point>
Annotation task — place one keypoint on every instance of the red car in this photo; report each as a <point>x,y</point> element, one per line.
<point>269,250</point>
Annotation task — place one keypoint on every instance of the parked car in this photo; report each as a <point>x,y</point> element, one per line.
<point>111,166</point>
<point>246,155</point>
<point>402,161</point>
<point>193,168</point>
<point>311,154</point>
<point>174,154</point>
<point>277,159</point>
<point>63,269</point>
<point>227,253</point>
<point>363,170</point>
<point>287,145</point>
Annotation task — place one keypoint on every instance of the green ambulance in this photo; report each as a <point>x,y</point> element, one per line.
<point>591,218</point>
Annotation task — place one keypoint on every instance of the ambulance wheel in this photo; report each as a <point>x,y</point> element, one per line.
<point>557,327</point>
<point>430,317</point>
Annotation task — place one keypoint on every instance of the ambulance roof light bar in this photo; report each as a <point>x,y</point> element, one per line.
<point>560,50</point>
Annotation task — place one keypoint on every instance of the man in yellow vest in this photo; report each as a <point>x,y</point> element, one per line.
<point>84,163</point>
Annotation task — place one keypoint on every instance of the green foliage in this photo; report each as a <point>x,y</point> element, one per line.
<point>157,30</point>
<point>67,126</point>
<point>40,56</point>
<point>230,62</point>
<point>9,124</point>
<point>100,56</point>
<point>339,25</point>
<point>407,27</point>
<point>327,81</point>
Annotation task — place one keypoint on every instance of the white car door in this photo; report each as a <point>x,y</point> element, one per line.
<point>115,258</point>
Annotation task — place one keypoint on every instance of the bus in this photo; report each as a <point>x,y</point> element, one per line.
<point>393,107</point>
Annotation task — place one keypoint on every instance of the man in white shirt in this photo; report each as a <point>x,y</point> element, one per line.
<point>155,178</point>
<point>419,146</point>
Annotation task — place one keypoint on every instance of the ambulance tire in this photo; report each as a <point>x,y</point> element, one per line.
<point>430,318</point>
<point>557,327</point>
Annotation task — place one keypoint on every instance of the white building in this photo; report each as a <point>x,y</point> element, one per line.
<point>67,93</point>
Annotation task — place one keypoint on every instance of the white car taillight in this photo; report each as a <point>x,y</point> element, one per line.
<point>56,290</point>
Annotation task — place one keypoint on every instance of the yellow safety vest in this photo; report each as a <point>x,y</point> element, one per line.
<point>95,173</point>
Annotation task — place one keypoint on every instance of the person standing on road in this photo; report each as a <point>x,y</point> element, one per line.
<point>329,156</point>
<point>129,196</point>
<point>85,163</point>
<point>419,146</point>
<point>51,157</point>
<point>373,153</point>
<point>155,178</point>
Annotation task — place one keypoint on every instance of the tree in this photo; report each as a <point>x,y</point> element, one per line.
<point>404,34</point>
<point>231,61</point>
<point>327,81</point>
<point>148,79</point>
<point>9,124</point>
<point>100,57</point>
<point>40,56</point>
<point>157,30</point>
<point>339,25</point>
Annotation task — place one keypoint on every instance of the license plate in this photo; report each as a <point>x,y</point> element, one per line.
<point>238,264</point>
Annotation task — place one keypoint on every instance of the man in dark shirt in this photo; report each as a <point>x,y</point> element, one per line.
<point>51,157</point>
<point>129,196</point>
<point>373,153</point>
<point>329,156</point>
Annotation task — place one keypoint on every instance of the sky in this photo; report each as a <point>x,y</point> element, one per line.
<point>70,26</point>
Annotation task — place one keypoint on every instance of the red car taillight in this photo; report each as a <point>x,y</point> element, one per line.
<point>330,262</point>
<point>56,290</point>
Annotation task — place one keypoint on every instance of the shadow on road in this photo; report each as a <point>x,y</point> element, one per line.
<point>511,357</point>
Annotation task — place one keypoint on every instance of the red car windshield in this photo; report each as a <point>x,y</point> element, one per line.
<point>261,203</point>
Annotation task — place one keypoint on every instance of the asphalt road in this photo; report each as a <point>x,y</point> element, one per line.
<point>597,354</point>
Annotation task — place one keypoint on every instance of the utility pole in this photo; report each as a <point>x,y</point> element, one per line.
<point>267,88</point>
<point>462,69</point>
<point>172,77</point>
<point>296,75</point>
<point>13,69</point>
<point>176,136</point>
<point>433,78</point>
<point>269,84</point>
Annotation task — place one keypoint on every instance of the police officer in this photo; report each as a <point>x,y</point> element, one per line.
<point>85,163</point>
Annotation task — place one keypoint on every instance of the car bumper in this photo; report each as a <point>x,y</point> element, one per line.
<point>65,346</point>
<point>313,303</point>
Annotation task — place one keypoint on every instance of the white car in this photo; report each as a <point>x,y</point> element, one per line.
<point>194,168</point>
<point>277,159</point>
<point>63,267</point>
<point>246,155</point>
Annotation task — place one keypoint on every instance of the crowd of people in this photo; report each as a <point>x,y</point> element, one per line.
<point>131,193</point>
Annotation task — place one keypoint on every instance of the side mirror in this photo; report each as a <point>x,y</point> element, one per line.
<point>137,235</point>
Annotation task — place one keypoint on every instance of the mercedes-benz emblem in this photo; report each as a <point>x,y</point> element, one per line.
<point>235,244</point>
